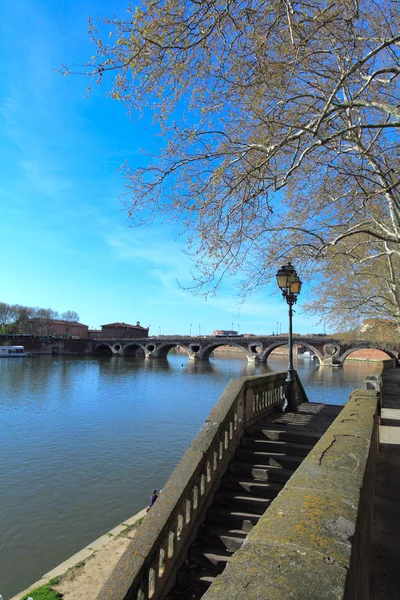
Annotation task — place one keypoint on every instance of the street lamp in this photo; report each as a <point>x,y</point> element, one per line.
<point>190,330</point>
<point>290,284</point>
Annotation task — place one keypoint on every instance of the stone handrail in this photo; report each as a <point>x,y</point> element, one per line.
<point>148,567</point>
<point>314,540</point>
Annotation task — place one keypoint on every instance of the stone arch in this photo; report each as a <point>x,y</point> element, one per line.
<point>162,350</point>
<point>265,354</point>
<point>209,348</point>
<point>391,353</point>
<point>103,350</point>
<point>132,348</point>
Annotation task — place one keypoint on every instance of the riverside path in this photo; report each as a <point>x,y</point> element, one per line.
<point>385,559</point>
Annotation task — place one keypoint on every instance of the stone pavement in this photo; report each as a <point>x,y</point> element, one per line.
<point>385,556</point>
<point>313,419</point>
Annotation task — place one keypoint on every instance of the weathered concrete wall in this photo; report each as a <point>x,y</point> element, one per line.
<point>313,542</point>
<point>41,345</point>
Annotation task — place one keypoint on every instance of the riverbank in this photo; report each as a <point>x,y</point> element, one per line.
<point>84,574</point>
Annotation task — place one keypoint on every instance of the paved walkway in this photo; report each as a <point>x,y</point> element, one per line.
<point>385,567</point>
<point>312,419</point>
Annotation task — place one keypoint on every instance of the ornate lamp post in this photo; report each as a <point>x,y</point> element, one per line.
<point>290,284</point>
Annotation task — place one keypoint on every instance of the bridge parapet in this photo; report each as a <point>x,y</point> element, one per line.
<point>329,351</point>
<point>148,568</point>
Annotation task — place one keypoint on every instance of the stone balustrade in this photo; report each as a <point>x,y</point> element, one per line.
<point>148,567</point>
<point>314,540</point>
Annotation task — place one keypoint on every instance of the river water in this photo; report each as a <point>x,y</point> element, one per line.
<point>83,441</point>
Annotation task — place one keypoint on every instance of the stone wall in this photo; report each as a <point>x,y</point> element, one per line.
<point>43,345</point>
<point>313,542</point>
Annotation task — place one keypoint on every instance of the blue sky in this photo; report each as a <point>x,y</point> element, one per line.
<point>65,239</point>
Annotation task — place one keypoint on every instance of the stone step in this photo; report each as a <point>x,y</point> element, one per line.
<point>229,517</point>
<point>197,580</point>
<point>254,487</point>
<point>261,472</point>
<point>279,459</point>
<point>222,537</point>
<point>389,438</point>
<point>214,559</point>
<point>285,435</point>
<point>293,448</point>
<point>390,417</point>
<point>243,502</point>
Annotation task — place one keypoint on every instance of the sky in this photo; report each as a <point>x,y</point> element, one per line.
<point>65,239</point>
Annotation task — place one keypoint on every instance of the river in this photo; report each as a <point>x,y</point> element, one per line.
<point>83,441</point>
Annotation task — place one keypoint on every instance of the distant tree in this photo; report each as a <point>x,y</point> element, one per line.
<point>23,314</point>
<point>43,318</point>
<point>6,315</point>
<point>366,291</point>
<point>16,317</point>
<point>70,315</point>
<point>281,125</point>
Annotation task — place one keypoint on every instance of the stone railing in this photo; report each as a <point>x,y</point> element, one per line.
<point>314,540</point>
<point>147,569</point>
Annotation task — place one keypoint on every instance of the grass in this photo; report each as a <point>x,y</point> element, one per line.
<point>44,592</point>
<point>130,528</point>
<point>79,564</point>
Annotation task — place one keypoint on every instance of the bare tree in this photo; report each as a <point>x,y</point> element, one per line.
<point>70,315</point>
<point>22,317</point>
<point>6,315</point>
<point>280,121</point>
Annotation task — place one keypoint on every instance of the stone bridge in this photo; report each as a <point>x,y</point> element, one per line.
<point>328,350</point>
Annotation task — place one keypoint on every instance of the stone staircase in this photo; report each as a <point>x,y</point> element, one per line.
<point>268,455</point>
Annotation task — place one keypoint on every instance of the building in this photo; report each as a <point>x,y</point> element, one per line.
<point>58,328</point>
<point>118,331</point>
<point>224,333</point>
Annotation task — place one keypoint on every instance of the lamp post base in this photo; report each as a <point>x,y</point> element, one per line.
<point>291,405</point>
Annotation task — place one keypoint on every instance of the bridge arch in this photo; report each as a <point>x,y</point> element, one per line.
<point>390,352</point>
<point>207,350</point>
<point>103,349</point>
<point>132,348</point>
<point>162,350</point>
<point>265,354</point>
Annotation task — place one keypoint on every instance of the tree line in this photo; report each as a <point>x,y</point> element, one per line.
<point>16,318</point>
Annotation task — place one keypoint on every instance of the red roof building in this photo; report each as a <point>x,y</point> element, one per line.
<point>118,331</point>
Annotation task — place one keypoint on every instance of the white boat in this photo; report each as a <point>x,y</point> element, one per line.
<point>307,354</point>
<point>12,351</point>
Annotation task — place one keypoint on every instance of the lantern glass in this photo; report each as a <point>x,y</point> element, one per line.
<point>282,278</point>
<point>295,286</point>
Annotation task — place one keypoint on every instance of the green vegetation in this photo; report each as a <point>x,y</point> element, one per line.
<point>15,318</point>
<point>80,564</point>
<point>130,528</point>
<point>44,592</point>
